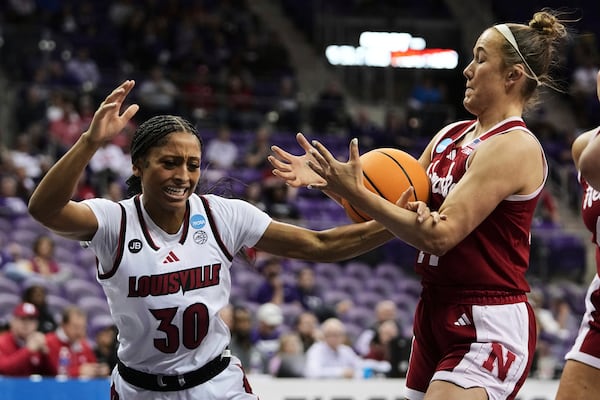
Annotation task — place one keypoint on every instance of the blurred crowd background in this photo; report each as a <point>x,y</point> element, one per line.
<point>250,74</point>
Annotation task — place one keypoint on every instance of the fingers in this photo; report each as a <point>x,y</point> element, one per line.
<point>131,111</point>
<point>278,164</point>
<point>322,155</point>
<point>405,196</point>
<point>282,154</point>
<point>354,154</point>
<point>303,142</point>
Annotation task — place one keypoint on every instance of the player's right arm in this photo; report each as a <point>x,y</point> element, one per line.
<point>586,152</point>
<point>51,203</point>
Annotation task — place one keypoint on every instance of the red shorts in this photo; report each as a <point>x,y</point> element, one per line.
<point>587,345</point>
<point>487,343</point>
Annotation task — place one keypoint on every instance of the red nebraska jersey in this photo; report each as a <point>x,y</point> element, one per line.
<point>590,212</point>
<point>80,352</point>
<point>495,256</point>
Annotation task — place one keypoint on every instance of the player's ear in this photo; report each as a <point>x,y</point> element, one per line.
<point>135,169</point>
<point>515,73</point>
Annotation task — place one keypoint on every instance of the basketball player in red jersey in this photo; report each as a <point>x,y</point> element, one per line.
<point>474,333</point>
<point>581,375</point>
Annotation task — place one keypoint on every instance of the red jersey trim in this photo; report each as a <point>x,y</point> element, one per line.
<point>213,227</point>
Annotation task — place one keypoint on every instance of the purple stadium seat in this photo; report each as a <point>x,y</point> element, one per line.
<point>52,287</point>
<point>76,288</point>
<point>7,285</point>
<point>93,305</point>
<point>359,270</point>
<point>367,299</point>
<point>329,271</point>
<point>383,287</point>
<point>75,271</point>
<point>97,323</point>
<point>56,305</point>
<point>333,296</point>
<point>348,284</point>
<point>389,271</point>
<point>8,301</point>
<point>360,316</point>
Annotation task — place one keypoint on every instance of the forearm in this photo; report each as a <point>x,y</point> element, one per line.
<point>56,188</point>
<point>434,238</point>
<point>589,162</point>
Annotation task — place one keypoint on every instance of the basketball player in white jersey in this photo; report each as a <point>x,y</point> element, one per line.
<point>164,254</point>
<point>580,378</point>
<point>475,333</point>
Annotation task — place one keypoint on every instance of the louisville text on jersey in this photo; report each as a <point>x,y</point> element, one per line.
<point>172,282</point>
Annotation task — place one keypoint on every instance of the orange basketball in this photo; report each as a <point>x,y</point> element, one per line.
<point>388,172</point>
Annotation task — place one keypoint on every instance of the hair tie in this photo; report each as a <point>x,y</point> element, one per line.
<point>510,38</point>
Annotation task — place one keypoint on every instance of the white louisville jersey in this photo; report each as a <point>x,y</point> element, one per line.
<point>165,291</point>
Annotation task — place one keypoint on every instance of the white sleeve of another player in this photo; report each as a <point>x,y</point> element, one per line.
<point>239,222</point>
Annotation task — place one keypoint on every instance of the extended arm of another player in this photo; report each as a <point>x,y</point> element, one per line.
<point>330,245</point>
<point>51,203</point>
<point>492,176</point>
<point>588,161</point>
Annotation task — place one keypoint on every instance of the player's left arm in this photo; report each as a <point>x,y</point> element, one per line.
<point>508,164</point>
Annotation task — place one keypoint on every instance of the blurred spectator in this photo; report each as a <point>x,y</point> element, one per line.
<point>583,81</point>
<point>42,263</point>
<point>200,95</point>
<point>36,295</point>
<point>273,289</point>
<point>310,296</point>
<point>115,191</point>
<point>384,310</point>
<point>365,129</point>
<point>11,205</point>
<point>23,157</point>
<point>69,350</point>
<point>83,69</point>
<point>253,193</point>
<point>157,94</point>
<point>14,261</point>
<point>306,327</point>
<point>329,112</point>
<point>389,345</point>
<point>221,153</point>
<point>266,333</point>
<point>240,108</point>
<point>279,200</point>
<point>255,155</point>
<point>106,344</point>
<point>332,358</point>
<point>241,340</point>
<point>289,361</point>
<point>547,212</point>
<point>288,106</point>
<point>109,163</point>
<point>66,128</point>
<point>23,349</point>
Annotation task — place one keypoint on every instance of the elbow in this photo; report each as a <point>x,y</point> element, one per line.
<point>436,246</point>
<point>35,210</point>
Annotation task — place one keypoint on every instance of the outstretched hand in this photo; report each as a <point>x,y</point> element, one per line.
<point>295,170</point>
<point>108,122</point>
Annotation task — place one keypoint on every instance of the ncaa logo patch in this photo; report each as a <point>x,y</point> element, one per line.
<point>442,145</point>
<point>200,237</point>
<point>197,221</point>
<point>134,245</point>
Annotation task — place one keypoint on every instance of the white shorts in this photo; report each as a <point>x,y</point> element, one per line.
<point>587,344</point>
<point>231,384</point>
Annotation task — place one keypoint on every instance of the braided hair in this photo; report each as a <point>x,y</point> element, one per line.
<point>150,134</point>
